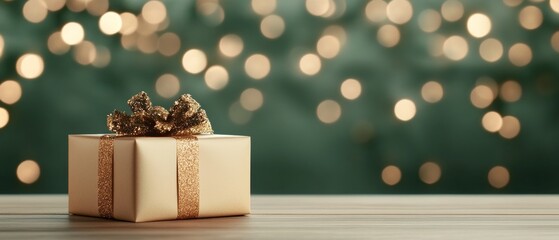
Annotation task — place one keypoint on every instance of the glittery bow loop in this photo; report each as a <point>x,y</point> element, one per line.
<point>185,117</point>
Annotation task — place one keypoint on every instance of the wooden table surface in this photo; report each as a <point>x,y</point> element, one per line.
<point>307,217</point>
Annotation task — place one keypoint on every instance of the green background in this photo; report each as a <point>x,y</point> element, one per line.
<point>292,151</point>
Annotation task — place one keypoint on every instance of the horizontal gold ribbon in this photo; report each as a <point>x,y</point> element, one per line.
<point>188,187</point>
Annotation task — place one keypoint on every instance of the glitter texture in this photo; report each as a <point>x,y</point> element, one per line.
<point>185,117</point>
<point>105,177</point>
<point>188,187</point>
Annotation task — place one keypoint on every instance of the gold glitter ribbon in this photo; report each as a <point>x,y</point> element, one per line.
<point>105,176</point>
<point>188,186</point>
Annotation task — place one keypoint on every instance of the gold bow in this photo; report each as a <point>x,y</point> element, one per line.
<point>185,117</point>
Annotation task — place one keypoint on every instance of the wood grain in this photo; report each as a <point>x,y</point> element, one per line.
<point>307,217</point>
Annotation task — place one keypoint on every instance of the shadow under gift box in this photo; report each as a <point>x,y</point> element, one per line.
<point>145,176</point>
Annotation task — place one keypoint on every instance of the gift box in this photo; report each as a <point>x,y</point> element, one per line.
<point>143,174</point>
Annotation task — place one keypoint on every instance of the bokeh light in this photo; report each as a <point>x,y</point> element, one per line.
<point>147,43</point>
<point>328,111</point>
<point>405,109</point>
<point>10,91</point>
<point>530,17</point>
<point>110,23</point>
<point>388,35</point>
<point>263,7</point>
<point>272,26</point>
<point>96,7</point>
<point>491,50</point>
<point>375,10</point>
<point>4,117</point>
<point>328,46</point>
<point>492,121</point>
<point>2,43</point>
<point>231,45</point>
<point>511,91</point>
<point>167,85</point>
<point>30,66</point>
<point>430,173</point>
<point>154,12</point>
<point>391,175</point>
<point>35,11</point>
<point>482,96</point>
<point>554,42</point>
<point>432,92</point>
<point>168,44</point>
<point>72,33</point>
<point>28,171</point>
<point>455,48</point>
<point>129,23</point>
<point>510,128</point>
<point>399,11</point>
<point>317,7</point>
<point>54,5</point>
<point>212,10</point>
<point>85,53</point>
<point>479,25</point>
<point>257,66</point>
<point>216,77</point>
<point>429,20</point>
<point>452,10</point>
<point>194,61</point>
<point>498,177</point>
<point>554,4</point>
<point>520,54</point>
<point>251,99</point>
<point>512,3</point>
<point>310,64</point>
<point>350,89</point>
<point>337,31</point>
<point>76,5</point>
<point>56,45</point>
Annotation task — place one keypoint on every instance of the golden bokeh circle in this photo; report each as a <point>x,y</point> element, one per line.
<point>194,61</point>
<point>4,117</point>
<point>251,99</point>
<point>492,121</point>
<point>28,171</point>
<point>10,92</point>
<point>520,54</point>
<point>432,91</point>
<point>257,66</point>
<point>30,66</point>
<point>430,173</point>
<point>351,89</point>
<point>167,85</point>
<point>498,177</point>
<point>405,109</point>
<point>328,111</point>
<point>216,77</point>
<point>391,175</point>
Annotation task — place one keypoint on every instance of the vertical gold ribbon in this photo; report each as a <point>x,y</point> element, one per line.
<point>105,176</point>
<point>188,186</point>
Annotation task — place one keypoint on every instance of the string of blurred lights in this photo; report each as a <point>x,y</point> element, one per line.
<point>146,32</point>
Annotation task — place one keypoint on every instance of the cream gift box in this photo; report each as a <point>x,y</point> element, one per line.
<point>145,184</point>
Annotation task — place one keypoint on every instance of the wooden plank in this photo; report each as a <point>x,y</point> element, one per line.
<point>307,217</point>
